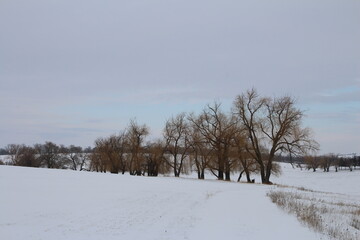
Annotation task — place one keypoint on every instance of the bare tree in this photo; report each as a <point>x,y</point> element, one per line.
<point>83,158</point>
<point>97,162</point>
<point>21,155</point>
<point>218,129</point>
<point>70,155</point>
<point>75,155</point>
<point>312,162</point>
<point>135,135</point>
<point>273,125</point>
<point>177,143</point>
<point>14,153</point>
<point>326,161</point>
<point>111,153</point>
<point>347,161</point>
<point>200,151</point>
<point>334,160</point>
<point>49,154</point>
<point>155,158</point>
<point>247,164</point>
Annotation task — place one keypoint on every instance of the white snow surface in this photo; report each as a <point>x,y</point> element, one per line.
<point>64,204</point>
<point>342,182</point>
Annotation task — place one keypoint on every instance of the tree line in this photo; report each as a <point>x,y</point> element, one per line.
<point>48,155</point>
<point>246,139</point>
<point>323,162</point>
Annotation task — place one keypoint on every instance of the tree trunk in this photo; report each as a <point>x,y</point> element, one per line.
<point>227,176</point>
<point>262,173</point>
<point>248,177</point>
<point>221,164</point>
<point>240,175</point>
<point>177,172</point>
<point>202,174</point>
<point>221,175</point>
<point>268,172</point>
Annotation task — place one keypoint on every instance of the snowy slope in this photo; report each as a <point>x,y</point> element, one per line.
<point>64,204</point>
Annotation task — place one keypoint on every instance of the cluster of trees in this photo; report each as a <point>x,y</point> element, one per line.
<point>325,162</point>
<point>247,139</point>
<point>49,155</point>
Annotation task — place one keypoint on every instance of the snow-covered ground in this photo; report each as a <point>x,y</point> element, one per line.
<point>64,204</point>
<point>331,197</point>
<point>343,182</point>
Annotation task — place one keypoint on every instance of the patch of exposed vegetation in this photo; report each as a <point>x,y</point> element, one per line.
<point>335,218</point>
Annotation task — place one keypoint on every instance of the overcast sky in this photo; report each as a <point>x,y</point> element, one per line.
<point>72,70</point>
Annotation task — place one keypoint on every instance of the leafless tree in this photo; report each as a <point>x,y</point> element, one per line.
<point>135,136</point>
<point>312,162</point>
<point>273,125</point>
<point>155,158</point>
<point>176,138</point>
<point>218,129</point>
<point>49,154</point>
<point>75,155</point>
<point>83,159</point>
<point>119,143</point>
<point>21,155</point>
<point>14,153</point>
<point>326,161</point>
<point>347,161</point>
<point>247,164</point>
<point>97,162</point>
<point>111,153</point>
<point>200,151</point>
<point>29,158</point>
<point>335,160</point>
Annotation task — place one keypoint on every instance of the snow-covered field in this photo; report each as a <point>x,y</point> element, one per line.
<point>343,182</point>
<point>64,204</point>
<point>331,200</point>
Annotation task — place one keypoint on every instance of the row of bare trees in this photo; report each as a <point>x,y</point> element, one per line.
<point>125,151</point>
<point>247,139</point>
<point>325,162</point>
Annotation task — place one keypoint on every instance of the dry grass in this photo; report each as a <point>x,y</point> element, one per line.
<point>355,223</point>
<point>336,219</point>
<point>306,213</point>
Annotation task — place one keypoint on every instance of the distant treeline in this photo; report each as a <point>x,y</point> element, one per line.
<point>6,150</point>
<point>324,162</point>
<point>47,155</point>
